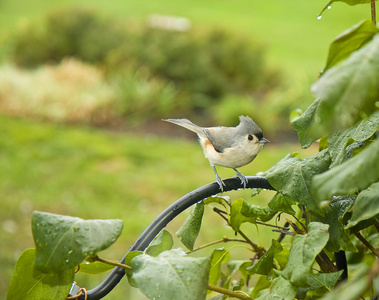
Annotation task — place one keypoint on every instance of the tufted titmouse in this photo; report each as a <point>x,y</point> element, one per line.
<point>230,147</point>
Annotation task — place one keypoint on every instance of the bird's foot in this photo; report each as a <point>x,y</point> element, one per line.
<point>219,180</point>
<point>241,177</point>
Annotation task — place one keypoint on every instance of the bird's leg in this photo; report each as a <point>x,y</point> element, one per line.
<point>219,180</point>
<point>241,177</point>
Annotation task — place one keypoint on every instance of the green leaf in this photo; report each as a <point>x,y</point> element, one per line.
<point>237,265</point>
<point>28,283</point>
<point>366,205</point>
<point>350,41</point>
<point>218,199</point>
<point>219,256</point>
<point>326,280</point>
<point>282,203</point>
<point>162,242</point>
<point>333,214</point>
<point>62,242</point>
<point>351,176</point>
<point>292,177</point>
<point>171,275</point>
<point>347,91</point>
<point>359,133</point>
<point>280,289</point>
<point>243,211</point>
<point>303,252</point>
<point>262,284</point>
<point>265,264</point>
<point>189,231</point>
<point>350,290</point>
<point>304,123</point>
<point>128,261</point>
<point>95,267</point>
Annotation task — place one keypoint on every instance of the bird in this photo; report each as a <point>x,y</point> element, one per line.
<point>229,147</point>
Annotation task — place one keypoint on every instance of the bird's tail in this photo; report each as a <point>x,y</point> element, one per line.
<point>186,124</point>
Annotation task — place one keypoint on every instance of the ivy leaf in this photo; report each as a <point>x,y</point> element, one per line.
<point>292,177</point>
<point>366,206</point>
<point>359,133</point>
<point>304,123</point>
<point>219,256</point>
<point>353,175</point>
<point>303,252</point>
<point>333,214</point>
<point>190,229</point>
<point>349,41</point>
<point>352,289</point>
<point>243,211</point>
<point>62,242</point>
<point>162,242</point>
<point>237,265</point>
<point>280,289</point>
<point>320,280</point>
<point>128,261</point>
<point>95,267</point>
<point>347,91</point>
<point>29,283</point>
<point>264,265</point>
<point>171,275</point>
<point>263,283</point>
<point>282,203</point>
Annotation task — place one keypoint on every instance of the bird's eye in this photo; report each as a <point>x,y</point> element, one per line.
<point>250,137</point>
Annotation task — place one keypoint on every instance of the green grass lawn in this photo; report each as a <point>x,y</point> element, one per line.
<point>96,174</point>
<point>295,39</point>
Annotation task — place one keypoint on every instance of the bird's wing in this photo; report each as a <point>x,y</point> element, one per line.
<point>219,141</point>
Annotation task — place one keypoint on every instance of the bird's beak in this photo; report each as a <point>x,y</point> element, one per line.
<point>263,141</point>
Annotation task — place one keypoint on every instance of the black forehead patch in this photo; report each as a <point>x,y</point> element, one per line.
<point>259,135</point>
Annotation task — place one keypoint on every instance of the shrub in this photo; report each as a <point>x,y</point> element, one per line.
<point>75,32</point>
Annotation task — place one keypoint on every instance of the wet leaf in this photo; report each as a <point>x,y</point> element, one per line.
<point>62,242</point>
<point>219,257</point>
<point>303,252</point>
<point>95,267</point>
<point>366,205</point>
<point>265,264</point>
<point>28,283</point>
<point>243,211</point>
<point>333,214</point>
<point>171,275</point>
<point>162,242</point>
<point>349,41</point>
<point>349,177</point>
<point>347,91</point>
<point>280,289</point>
<point>190,229</point>
<point>326,280</point>
<point>292,177</point>
<point>282,203</point>
<point>303,124</point>
<point>359,133</point>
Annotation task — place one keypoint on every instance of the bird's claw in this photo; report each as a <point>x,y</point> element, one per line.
<point>241,177</point>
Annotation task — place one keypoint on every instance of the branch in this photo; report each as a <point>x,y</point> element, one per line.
<point>373,12</point>
<point>224,240</point>
<point>367,244</point>
<point>112,263</point>
<point>230,293</point>
<point>256,248</point>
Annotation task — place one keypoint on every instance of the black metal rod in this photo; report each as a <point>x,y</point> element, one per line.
<point>167,216</point>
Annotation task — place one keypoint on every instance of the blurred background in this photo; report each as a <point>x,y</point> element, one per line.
<point>84,86</point>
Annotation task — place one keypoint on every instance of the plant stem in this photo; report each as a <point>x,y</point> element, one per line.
<point>256,248</point>
<point>373,12</point>
<point>112,263</point>
<point>224,240</point>
<point>228,292</point>
<point>367,244</point>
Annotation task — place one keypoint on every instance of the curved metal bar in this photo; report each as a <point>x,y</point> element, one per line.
<point>164,218</point>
